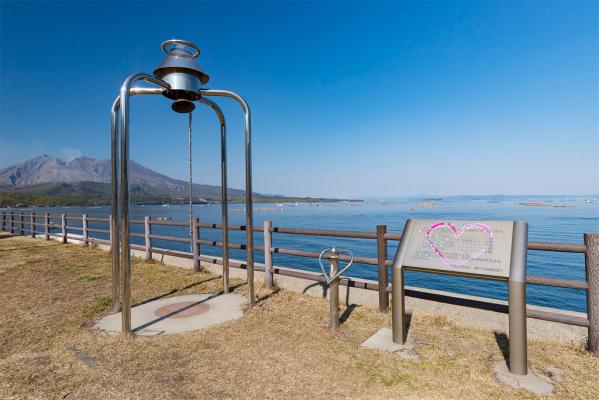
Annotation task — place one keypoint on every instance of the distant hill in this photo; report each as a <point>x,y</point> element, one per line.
<point>46,169</point>
<point>47,181</point>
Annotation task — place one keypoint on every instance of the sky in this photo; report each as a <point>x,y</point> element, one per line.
<point>348,99</point>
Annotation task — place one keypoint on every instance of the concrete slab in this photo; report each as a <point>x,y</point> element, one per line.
<point>178,314</point>
<point>383,340</point>
<point>534,381</point>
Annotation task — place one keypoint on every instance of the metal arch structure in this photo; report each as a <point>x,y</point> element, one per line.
<point>224,195</point>
<point>121,263</point>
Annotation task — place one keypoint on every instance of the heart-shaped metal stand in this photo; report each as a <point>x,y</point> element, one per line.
<point>341,271</point>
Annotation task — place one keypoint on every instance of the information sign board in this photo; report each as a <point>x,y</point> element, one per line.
<point>463,247</point>
<point>483,249</point>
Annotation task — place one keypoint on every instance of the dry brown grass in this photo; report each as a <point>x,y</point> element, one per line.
<point>282,348</point>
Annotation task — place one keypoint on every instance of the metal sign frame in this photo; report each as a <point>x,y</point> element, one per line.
<point>518,363</point>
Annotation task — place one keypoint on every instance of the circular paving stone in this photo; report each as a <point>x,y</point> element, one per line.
<point>183,309</point>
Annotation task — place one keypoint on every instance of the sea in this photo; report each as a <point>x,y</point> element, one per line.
<point>550,218</point>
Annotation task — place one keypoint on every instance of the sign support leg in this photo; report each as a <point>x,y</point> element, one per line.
<point>517,336</point>
<point>398,309</point>
<point>399,306</point>
<point>517,300</point>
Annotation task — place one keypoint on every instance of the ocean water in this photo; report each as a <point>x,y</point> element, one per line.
<point>559,220</point>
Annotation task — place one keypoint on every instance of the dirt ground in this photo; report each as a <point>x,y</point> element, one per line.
<point>51,293</point>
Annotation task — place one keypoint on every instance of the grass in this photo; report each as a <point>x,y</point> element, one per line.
<point>51,294</point>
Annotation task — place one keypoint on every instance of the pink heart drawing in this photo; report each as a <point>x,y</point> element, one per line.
<point>456,235</point>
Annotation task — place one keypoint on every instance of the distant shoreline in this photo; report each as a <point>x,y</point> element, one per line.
<point>8,200</point>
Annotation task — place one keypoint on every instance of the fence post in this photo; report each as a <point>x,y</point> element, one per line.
<point>22,223</point>
<point>12,222</point>
<point>147,233</point>
<point>591,262</point>
<point>3,222</point>
<point>84,229</point>
<point>383,276</point>
<point>268,275</point>
<point>63,222</point>
<point>47,226</point>
<point>195,236</point>
<point>32,224</point>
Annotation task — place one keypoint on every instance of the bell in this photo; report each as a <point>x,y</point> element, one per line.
<point>183,106</point>
<point>183,72</point>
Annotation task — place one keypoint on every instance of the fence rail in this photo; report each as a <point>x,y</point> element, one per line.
<point>17,222</point>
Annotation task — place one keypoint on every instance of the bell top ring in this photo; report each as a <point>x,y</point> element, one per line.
<point>183,72</point>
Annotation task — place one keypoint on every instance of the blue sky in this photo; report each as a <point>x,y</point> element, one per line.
<point>348,99</point>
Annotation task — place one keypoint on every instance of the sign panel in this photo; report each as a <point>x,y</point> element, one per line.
<point>468,247</point>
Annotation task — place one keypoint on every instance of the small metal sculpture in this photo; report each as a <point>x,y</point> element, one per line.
<point>332,277</point>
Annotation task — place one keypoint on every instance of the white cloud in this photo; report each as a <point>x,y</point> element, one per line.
<point>69,154</point>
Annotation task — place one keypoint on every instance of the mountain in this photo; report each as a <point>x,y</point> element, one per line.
<point>87,180</point>
<point>47,169</point>
<point>46,180</point>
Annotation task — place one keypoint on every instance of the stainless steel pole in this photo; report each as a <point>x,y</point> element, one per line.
<point>224,190</point>
<point>248,184</point>
<point>114,223</point>
<point>114,226</point>
<point>334,290</point>
<point>125,261</point>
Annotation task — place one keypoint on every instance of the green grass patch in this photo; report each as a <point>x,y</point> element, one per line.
<point>101,305</point>
<point>90,277</point>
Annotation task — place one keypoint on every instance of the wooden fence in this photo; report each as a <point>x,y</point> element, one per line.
<point>58,226</point>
